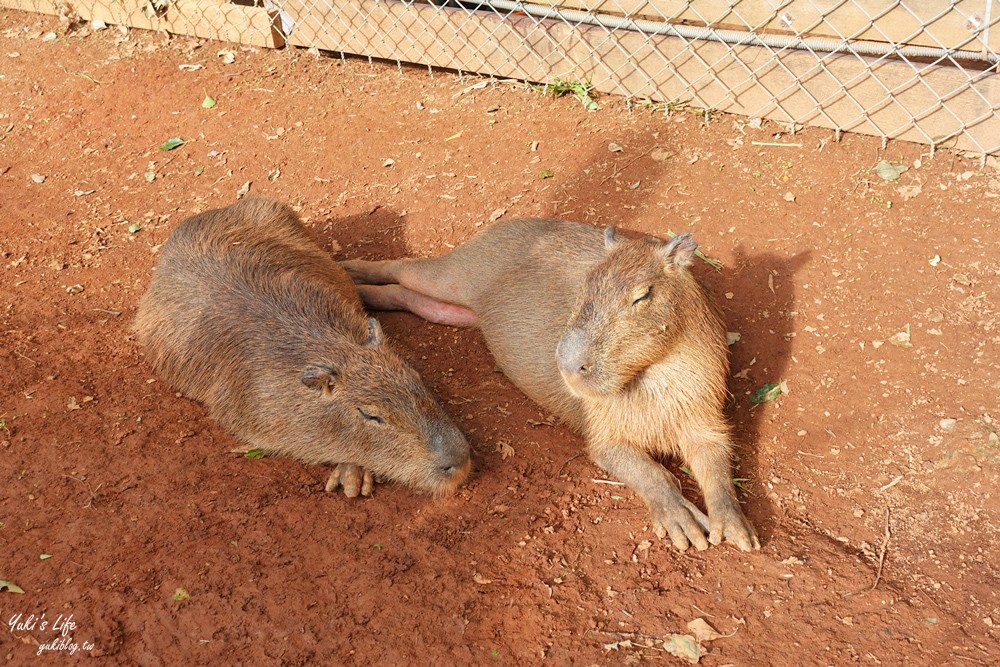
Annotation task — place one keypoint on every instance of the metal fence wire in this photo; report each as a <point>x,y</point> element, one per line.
<point>920,70</point>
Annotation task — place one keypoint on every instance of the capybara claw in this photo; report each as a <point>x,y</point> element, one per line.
<point>734,527</point>
<point>353,479</point>
<point>683,529</point>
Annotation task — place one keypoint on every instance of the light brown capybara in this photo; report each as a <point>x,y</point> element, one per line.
<point>248,315</point>
<point>614,336</point>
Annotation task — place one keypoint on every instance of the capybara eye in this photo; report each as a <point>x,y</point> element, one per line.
<point>371,418</point>
<point>645,295</point>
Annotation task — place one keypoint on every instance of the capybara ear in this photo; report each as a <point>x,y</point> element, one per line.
<point>609,236</point>
<point>321,378</point>
<point>375,335</point>
<point>678,252</point>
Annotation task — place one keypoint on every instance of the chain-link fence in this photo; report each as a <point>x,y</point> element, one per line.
<point>922,70</point>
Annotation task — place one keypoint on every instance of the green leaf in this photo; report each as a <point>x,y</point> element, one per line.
<point>766,394</point>
<point>207,103</point>
<point>199,171</point>
<point>10,587</point>
<point>44,556</point>
<point>134,227</point>
<point>181,594</point>
<point>545,173</point>
<point>255,453</point>
<point>171,143</point>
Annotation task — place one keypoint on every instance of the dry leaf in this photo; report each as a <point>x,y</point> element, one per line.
<point>244,189</point>
<point>901,339</point>
<point>506,451</point>
<point>702,631</point>
<point>497,214</point>
<point>660,155</point>
<point>71,404</point>
<point>684,647</point>
<point>480,579</point>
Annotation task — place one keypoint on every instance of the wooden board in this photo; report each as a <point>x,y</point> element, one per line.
<point>935,23</point>
<point>35,6</point>
<point>208,19</point>
<point>744,80</point>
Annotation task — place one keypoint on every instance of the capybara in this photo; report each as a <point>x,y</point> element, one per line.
<point>616,337</point>
<point>248,315</point>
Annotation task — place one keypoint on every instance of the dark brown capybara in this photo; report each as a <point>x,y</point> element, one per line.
<point>248,315</point>
<point>614,336</point>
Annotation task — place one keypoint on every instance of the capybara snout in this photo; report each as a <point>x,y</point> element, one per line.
<point>248,315</point>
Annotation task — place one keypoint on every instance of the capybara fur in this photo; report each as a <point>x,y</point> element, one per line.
<point>614,336</point>
<point>248,315</point>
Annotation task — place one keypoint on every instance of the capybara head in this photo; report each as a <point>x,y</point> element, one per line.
<point>627,317</point>
<point>379,415</point>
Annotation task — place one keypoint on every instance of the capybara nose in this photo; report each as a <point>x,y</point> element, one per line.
<point>451,449</point>
<point>571,355</point>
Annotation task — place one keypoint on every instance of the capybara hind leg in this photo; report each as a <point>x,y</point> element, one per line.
<point>396,297</point>
<point>354,479</point>
<point>709,460</point>
<point>442,278</point>
<point>671,514</point>
<point>364,272</point>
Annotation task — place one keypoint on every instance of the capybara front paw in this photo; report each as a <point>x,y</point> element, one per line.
<point>728,522</point>
<point>354,479</point>
<point>675,520</point>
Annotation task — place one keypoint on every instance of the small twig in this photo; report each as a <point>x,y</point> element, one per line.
<point>702,611</point>
<point>882,550</point>
<point>608,481</point>
<point>774,144</point>
<point>567,462</point>
<point>24,357</point>
<point>93,492</point>
<point>628,634</point>
<point>965,657</point>
<point>930,600</point>
<point>890,484</point>
<point>615,172</point>
<point>116,313</point>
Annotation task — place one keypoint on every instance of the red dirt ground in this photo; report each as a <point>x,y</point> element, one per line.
<point>135,494</point>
